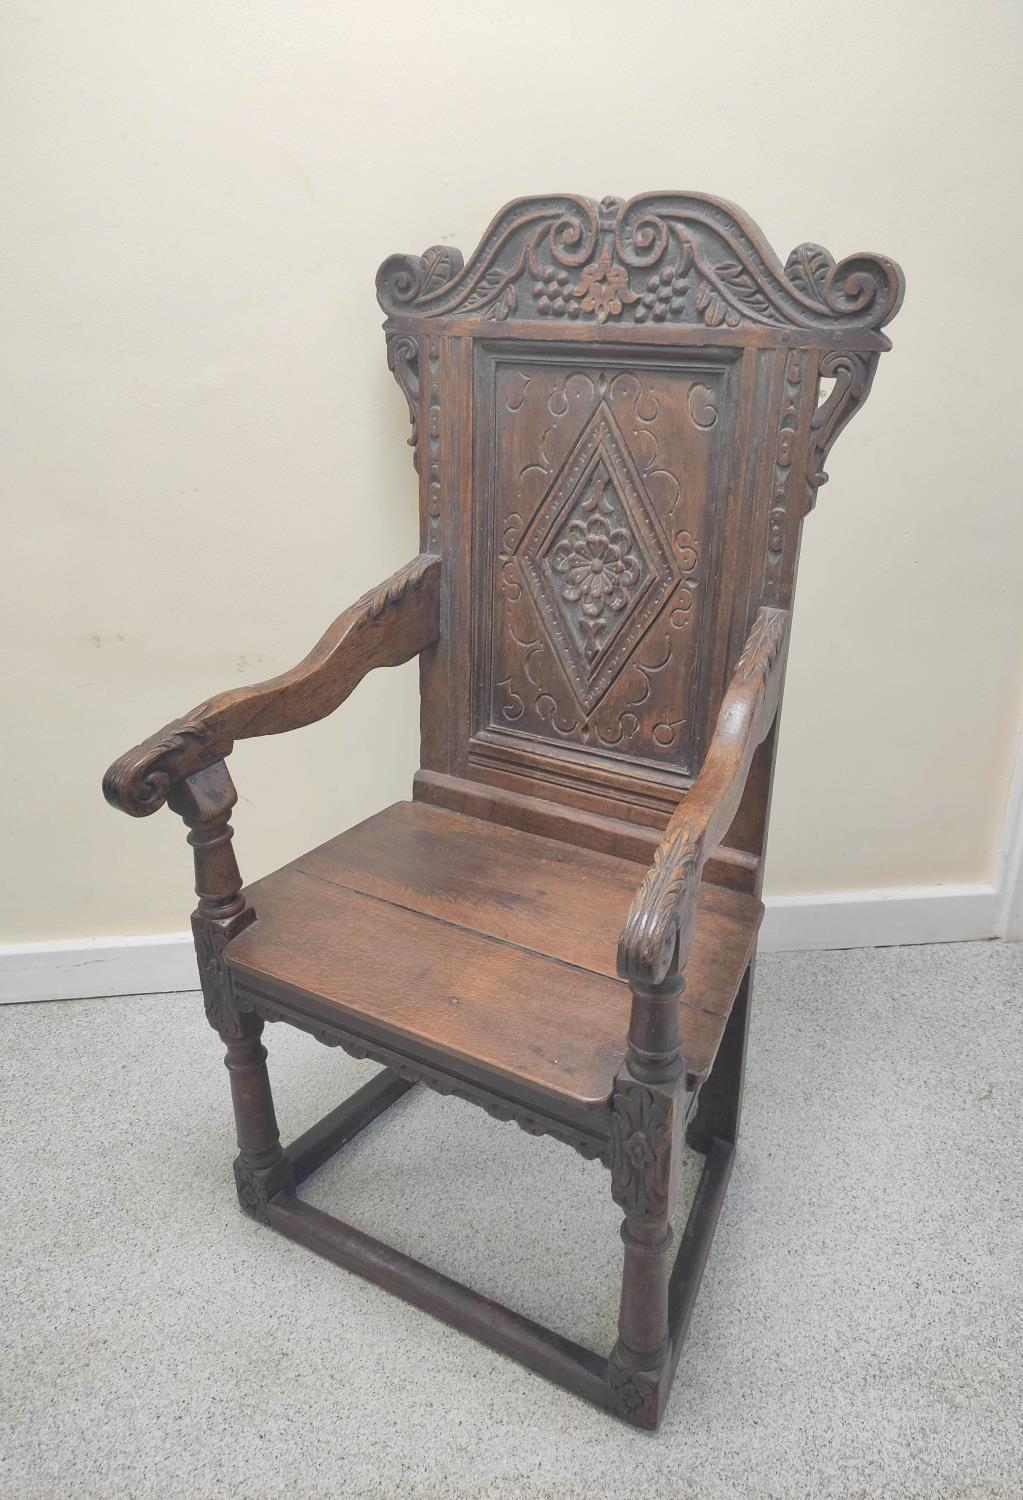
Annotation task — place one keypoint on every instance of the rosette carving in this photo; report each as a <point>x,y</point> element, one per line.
<point>641,1130</point>
<point>632,1394</point>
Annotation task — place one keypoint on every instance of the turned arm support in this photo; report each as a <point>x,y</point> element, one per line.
<point>655,940</point>
<point>386,627</point>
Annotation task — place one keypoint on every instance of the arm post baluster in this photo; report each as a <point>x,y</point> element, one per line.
<point>204,801</point>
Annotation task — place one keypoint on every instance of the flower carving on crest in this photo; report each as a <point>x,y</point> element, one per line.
<point>599,565</point>
<point>603,288</point>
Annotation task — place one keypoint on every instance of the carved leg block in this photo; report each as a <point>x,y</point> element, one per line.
<point>638,1396</point>
<point>639,1368</point>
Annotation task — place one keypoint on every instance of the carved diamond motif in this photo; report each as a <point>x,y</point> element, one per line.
<point>594,559</point>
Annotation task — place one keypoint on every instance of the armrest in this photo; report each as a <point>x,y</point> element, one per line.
<point>385,627</point>
<point>658,930</point>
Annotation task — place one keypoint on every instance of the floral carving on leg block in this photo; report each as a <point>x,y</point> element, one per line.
<point>257,1185</point>
<point>641,1135</point>
<point>633,1395</point>
<point>211,938</point>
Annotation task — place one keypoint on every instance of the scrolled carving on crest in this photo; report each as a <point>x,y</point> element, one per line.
<point>661,256</point>
<point>858,284</point>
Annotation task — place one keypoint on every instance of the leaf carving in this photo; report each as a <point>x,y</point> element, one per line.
<point>505,305</point>
<point>808,268</point>
<point>580,256</point>
<point>641,1125</point>
<point>662,915</point>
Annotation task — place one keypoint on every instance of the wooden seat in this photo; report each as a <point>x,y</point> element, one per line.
<point>619,423</point>
<point>503,950</point>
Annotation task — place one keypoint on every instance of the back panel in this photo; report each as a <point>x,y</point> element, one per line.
<point>600,497</point>
<point>617,432</point>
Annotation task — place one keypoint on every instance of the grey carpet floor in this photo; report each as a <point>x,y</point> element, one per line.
<point>857,1336</point>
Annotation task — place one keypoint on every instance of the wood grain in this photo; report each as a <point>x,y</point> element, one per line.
<point>471,969</point>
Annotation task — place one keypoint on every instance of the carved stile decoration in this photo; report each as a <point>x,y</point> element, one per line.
<point>614,421</point>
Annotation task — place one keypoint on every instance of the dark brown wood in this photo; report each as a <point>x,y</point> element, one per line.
<point>501,949</point>
<point>323,1140</point>
<point>548,1353</point>
<point>204,801</point>
<point>719,1103</point>
<point>696,1241</point>
<point>616,421</point>
<point>386,627</point>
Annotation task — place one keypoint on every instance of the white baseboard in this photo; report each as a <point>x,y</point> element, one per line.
<point>1010,924</point>
<point>79,969</point>
<point>880,919</point>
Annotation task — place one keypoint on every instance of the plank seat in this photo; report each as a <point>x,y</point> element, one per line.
<point>499,949</point>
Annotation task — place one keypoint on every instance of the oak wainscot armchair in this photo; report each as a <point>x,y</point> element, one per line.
<point>619,424</point>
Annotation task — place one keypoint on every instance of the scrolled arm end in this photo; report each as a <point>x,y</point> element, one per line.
<point>659,928</point>
<point>387,626</point>
<point>139,782</point>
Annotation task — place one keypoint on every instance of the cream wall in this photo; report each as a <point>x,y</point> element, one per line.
<point>206,456</point>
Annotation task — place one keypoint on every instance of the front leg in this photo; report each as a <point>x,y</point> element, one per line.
<point>642,1150</point>
<point>646,1113</point>
<point>204,800</point>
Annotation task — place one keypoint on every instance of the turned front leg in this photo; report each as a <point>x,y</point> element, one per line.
<point>204,800</point>
<point>645,1110</point>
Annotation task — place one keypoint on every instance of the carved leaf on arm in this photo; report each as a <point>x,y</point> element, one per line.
<point>138,783</point>
<point>658,931</point>
<point>660,922</point>
<point>394,591</point>
<point>763,646</point>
